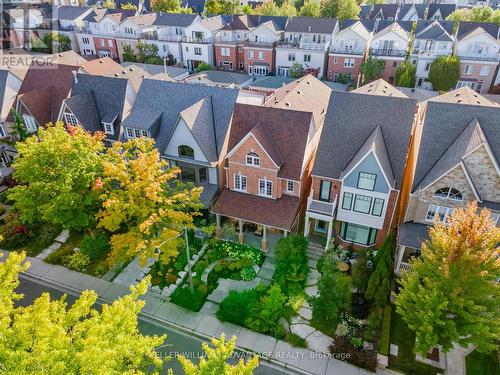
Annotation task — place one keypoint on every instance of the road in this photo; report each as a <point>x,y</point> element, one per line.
<point>176,342</point>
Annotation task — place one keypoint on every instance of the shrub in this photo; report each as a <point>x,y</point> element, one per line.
<point>248,273</point>
<point>237,306</point>
<point>295,340</point>
<point>264,317</point>
<point>386,331</point>
<point>170,278</point>
<point>200,267</point>
<point>78,261</point>
<point>190,300</point>
<point>203,66</point>
<point>291,261</point>
<point>95,246</point>
<point>366,359</point>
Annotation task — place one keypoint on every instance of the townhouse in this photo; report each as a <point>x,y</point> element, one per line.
<point>130,30</point>
<point>70,18</point>
<point>305,45</point>
<point>439,12</point>
<point>385,12</point>
<point>412,12</point>
<point>458,162</point>
<point>432,39</point>
<point>390,44</point>
<point>348,49</point>
<point>18,26</point>
<point>359,166</point>
<point>478,48</point>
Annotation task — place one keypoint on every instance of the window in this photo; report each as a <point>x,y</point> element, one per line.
<point>347,201</point>
<point>101,42</point>
<point>240,182</point>
<point>202,172</point>
<point>335,60</point>
<point>362,203</point>
<point>324,191</point>
<point>358,233</point>
<point>307,58</point>
<point>197,51</point>
<point>137,133</point>
<point>240,65</point>
<point>427,67</point>
<point>291,57</point>
<point>185,151</point>
<point>394,64</point>
<point>442,212</point>
<point>129,30</point>
<point>130,133</point>
<point>250,55</point>
<point>30,123</point>
<point>448,193</point>
<point>224,51</point>
<point>290,185</point>
<point>85,40</point>
<point>108,128</point>
<point>485,70</point>
<point>70,119</point>
<point>253,159</point>
<point>2,131</point>
<point>468,69</point>
<point>110,43</point>
<point>348,63</point>
<point>265,187</point>
<point>261,55</point>
<point>187,49</point>
<point>378,205</point>
<point>366,181</point>
<point>108,143</point>
<point>144,133</point>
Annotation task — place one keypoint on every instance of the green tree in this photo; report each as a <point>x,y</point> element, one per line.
<point>287,9</point>
<point>379,288</point>
<point>444,73</point>
<point>216,358</point>
<point>56,171</point>
<point>372,2</point>
<point>18,126</point>
<point>148,53</point>
<point>167,6</point>
<point>310,8</point>
<point>129,6</point>
<point>247,9</point>
<point>361,272</point>
<point>267,9</point>
<point>109,4</point>
<point>296,70</point>
<point>475,14</point>
<point>371,68</point>
<point>342,9</point>
<point>53,42</point>
<point>128,53</point>
<point>406,75</point>
<point>49,337</point>
<point>203,66</point>
<point>453,292</point>
<point>213,7</point>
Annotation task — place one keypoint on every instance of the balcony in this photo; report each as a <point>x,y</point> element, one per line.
<point>253,43</point>
<point>315,206</point>
<point>225,41</point>
<point>189,39</point>
<point>162,38</point>
<point>304,45</point>
<point>388,52</point>
<point>403,267</point>
<point>478,57</point>
<point>346,51</point>
<point>429,53</point>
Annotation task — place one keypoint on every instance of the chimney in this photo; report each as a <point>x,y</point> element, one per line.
<point>75,77</point>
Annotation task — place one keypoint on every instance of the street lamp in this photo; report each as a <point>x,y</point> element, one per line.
<point>157,250</point>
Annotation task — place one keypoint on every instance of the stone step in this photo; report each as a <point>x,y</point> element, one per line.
<point>313,255</point>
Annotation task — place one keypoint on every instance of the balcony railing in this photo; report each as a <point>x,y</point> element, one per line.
<point>429,53</point>
<point>188,39</point>
<point>162,38</point>
<point>304,45</point>
<point>404,267</point>
<point>346,51</point>
<point>253,43</point>
<point>388,52</point>
<point>478,56</point>
<point>325,208</point>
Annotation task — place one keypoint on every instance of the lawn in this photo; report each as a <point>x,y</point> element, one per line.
<point>405,339</point>
<point>482,364</point>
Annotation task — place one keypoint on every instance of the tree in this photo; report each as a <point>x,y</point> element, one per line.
<point>148,53</point>
<point>453,292</point>
<point>267,9</point>
<point>361,271</point>
<point>213,7</point>
<point>18,126</point>
<point>371,68</point>
<point>203,66</point>
<point>406,75</point>
<point>444,73</point>
<point>296,70</point>
<point>109,4</point>
<point>310,8</point>
<point>372,2</point>
<point>50,337</point>
<point>167,6</point>
<point>215,361</point>
<point>140,205</point>
<point>475,14</point>
<point>342,9</point>
<point>287,9</point>
<point>379,288</point>
<point>129,6</point>
<point>247,9</point>
<point>53,42</point>
<point>128,53</point>
<point>344,78</point>
<point>56,171</point>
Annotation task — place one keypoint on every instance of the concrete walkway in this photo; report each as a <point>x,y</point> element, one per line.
<point>63,236</point>
<point>201,324</point>
<point>133,273</point>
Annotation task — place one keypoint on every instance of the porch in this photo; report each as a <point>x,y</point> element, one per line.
<point>319,218</point>
<point>409,241</point>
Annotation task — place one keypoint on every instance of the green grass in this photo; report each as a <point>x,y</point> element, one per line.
<point>405,339</point>
<point>295,340</point>
<point>482,364</point>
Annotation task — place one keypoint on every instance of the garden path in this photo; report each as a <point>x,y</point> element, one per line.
<point>133,273</point>
<point>63,236</point>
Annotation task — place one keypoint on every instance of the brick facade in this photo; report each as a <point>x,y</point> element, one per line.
<point>336,66</point>
<point>224,61</point>
<point>268,56</point>
<point>105,46</point>
<point>390,67</point>
<point>475,74</point>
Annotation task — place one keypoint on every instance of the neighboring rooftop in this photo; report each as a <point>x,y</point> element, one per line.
<point>174,19</point>
<point>434,30</point>
<point>466,28</point>
<point>219,78</point>
<point>66,12</point>
<point>320,25</point>
<point>406,8</point>
<point>443,9</point>
<point>153,69</point>
<point>381,88</point>
<point>465,95</point>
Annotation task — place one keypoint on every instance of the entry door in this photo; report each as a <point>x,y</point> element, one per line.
<point>320,226</point>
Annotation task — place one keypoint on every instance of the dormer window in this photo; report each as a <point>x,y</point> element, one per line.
<point>136,133</point>
<point>253,159</point>
<point>366,181</point>
<point>108,128</point>
<point>30,123</point>
<point>185,151</point>
<point>448,193</point>
<point>70,119</point>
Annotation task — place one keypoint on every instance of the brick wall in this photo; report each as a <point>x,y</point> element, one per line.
<point>268,57</point>
<point>476,70</point>
<point>389,72</point>
<point>233,56</point>
<point>336,66</point>
<point>109,45</point>
<point>334,187</point>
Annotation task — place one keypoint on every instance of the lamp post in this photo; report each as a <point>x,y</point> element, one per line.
<point>188,255</point>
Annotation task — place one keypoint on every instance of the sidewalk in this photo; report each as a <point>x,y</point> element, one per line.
<point>201,324</point>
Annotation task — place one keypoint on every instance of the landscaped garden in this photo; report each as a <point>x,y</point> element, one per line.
<point>482,364</point>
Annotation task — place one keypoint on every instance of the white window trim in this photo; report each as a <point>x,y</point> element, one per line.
<point>447,212</point>
<point>288,186</point>
<point>111,130</point>
<point>70,119</point>
<point>30,123</point>
<point>240,178</point>
<point>254,159</point>
<point>266,182</point>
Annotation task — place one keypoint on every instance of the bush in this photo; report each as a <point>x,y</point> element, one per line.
<point>95,246</point>
<point>192,301</point>
<point>366,359</point>
<point>200,267</point>
<point>78,261</point>
<point>264,317</point>
<point>374,321</point>
<point>386,331</point>
<point>203,66</point>
<point>248,273</point>
<point>291,262</point>
<point>237,306</point>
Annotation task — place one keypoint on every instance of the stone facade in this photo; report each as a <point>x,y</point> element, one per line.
<point>484,174</point>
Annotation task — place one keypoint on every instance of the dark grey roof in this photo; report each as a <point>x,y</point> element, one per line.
<point>364,12</point>
<point>384,11</point>
<point>198,6</point>
<point>368,24</point>
<point>465,28</point>
<point>174,19</point>
<point>444,122</point>
<point>311,24</point>
<point>83,106</point>
<point>495,206</point>
<point>162,102</point>
<point>412,234</point>
<point>208,194</point>
<point>406,25</point>
<point>70,12</point>
<point>445,9</point>
<point>434,30</point>
<point>420,8</point>
<point>351,119</point>
<point>4,75</point>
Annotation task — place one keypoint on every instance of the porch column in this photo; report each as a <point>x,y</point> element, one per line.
<point>306,226</point>
<point>218,229</point>
<point>263,244</point>
<point>329,233</point>
<point>240,233</point>
<point>285,233</point>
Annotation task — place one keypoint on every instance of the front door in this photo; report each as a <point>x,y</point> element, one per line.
<point>320,226</point>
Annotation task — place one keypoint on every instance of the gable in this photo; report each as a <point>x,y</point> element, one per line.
<point>484,174</point>
<point>183,136</point>
<point>391,35</point>
<point>370,165</point>
<point>251,144</point>
<point>480,34</point>
<point>455,178</point>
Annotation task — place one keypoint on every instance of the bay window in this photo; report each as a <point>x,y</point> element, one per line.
<point>359,234</point>
<point>362,203</point>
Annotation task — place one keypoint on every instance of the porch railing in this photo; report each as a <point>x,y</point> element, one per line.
<point>404,267</point>
<point>325,208</point>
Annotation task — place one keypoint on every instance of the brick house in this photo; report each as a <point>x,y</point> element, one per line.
<point>359,166</point>
<point>457,163</point>
<point>348,48</point>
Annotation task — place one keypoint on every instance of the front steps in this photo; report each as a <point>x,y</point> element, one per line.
<point>314,251</point>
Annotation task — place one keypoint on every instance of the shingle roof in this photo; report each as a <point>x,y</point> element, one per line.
<point>369,25</point>
<point>465,95</point>
<point>101,66</point>
<point>198,6</point>
<point>311,24</point>
<point>351,119</point>
<point>379,87</point>
<point>84,107</point>
<point>174,19</point>
<point>445,9</point>
<point>412,234</point>
<point>401,27</point>
<point>147,19</point>
<point>384,11</point>
<point>465,28</point>
<point>420,8</point>
<point>216,22</point>
<point>71,12</point>
<point>4,75</point>
<point>444,122</point>
<point>117,14</point>
<point>262,136</point>
<point>251,21</point>
<point>162,101</point>
<point>434,30</point>
<point>220,76</point>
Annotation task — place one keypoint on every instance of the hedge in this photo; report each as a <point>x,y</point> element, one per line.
<point>386,332</point>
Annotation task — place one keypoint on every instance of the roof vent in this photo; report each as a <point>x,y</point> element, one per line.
<point>459,100</point>
<point>299,92</point>
<point>116,74</point>
<point>287,104</point>
<point>124,72</point>
<point>478,102</point>
<point>101,62</point>
<point>131,69</point>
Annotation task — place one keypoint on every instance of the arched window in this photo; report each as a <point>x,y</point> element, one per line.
<point>186,151</point>
<point>253,159</point>
<point>448,193</point>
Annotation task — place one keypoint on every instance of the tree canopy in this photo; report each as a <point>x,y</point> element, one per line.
<point>453,292</point>
<point>444,73</point>
<point>169,6</point>
<point>406,75</point>
<point>213,7</point>
<point>53,42</point>
<point>475,14</point>
<point>371,68</point>
<point>342,9</point>
<point>128,6</point>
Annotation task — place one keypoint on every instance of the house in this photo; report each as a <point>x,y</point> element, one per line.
<point>385,12</point>
<point>190,126</point>
<point>197,44</point>
<point>131,29</point>
<point>478,46</point>
<point>267,170</point>
<point>440,11</point>
<point>390,44</point>
<point>412,12</point>
<point>348,48</point>
<point>69,19</point>
<point>359,167</point>
<point>432,39</point>
<point>176,73</point>
<point>305,45</point>
<point>457,163</point>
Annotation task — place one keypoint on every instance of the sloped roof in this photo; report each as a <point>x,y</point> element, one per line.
<point>318,25</point>
<point>147,19</point>
<point>405,8</point>
<point>351,119</point>
<point>4,75</point>
<point>117,14</point>
<point>84,107</point>
<point>412,234</point>
<point>384,11</point>
<point>445,9</point>
<point>174,19</point>
<point>283,134</point>
<point>402,28</point>
<point>66,12</point>
<point>216,22</point>
<point>251,21</point>
<point>368,26</point>
<point>40,104</point>
<point>379,87</point>
<point>465,28</point>
<point>465,95</point>
<point>444,123</point>
<point>219,76</point>
<point>101,66</point>
<point>198,6</point>
<point>434,30</point>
